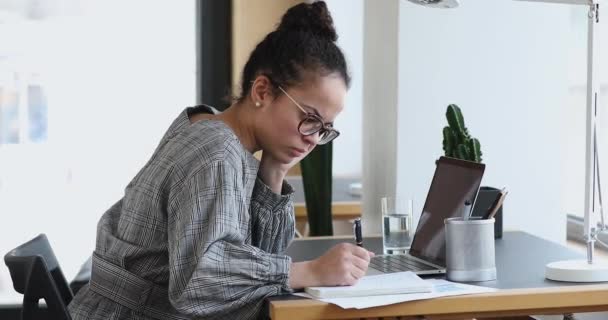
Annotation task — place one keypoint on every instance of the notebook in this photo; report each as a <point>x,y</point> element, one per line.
<point>454,182</point>
<point>383,284</point>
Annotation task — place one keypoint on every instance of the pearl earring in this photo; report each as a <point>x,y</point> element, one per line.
<point>257,104</point>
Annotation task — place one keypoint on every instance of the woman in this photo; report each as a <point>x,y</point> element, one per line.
<point>202,229</point>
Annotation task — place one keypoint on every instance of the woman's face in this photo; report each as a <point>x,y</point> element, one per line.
<point>279,135</point>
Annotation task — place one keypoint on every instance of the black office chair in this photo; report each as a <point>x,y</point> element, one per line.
<point>36,275</point>
<point>82,277</point>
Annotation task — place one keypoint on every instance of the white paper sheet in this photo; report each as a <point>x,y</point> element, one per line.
<point>441,288</point>
<point>381,284</point>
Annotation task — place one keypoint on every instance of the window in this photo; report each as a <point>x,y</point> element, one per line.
<point>87,89</point>
<point>23,111</point>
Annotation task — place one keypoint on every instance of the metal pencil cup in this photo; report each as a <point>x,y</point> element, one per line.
<point>470,249</point>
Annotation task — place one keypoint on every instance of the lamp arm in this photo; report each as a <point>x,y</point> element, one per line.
<point>599,184</point>
<point>592,112</point>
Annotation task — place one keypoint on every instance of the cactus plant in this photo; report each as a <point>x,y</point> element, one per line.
<point>457,142</point>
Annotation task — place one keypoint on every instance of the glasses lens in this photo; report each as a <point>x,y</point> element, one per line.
<point>310,125</point>
<point>328,136</point>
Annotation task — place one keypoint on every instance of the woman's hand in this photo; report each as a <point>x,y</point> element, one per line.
<point>342,265</point>
<point>272,171</point>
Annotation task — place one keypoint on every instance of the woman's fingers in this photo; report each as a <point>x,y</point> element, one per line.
<point>360,263</point>
<point>362,253</point>
<point>344,264</point>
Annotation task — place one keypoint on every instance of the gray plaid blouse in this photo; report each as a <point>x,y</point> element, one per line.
<point>196,235</point>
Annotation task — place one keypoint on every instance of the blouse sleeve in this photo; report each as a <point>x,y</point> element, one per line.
<point>273,217</point>
<point>214,272</point>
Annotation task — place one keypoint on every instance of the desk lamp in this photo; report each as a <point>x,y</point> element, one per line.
<point>588,270</point>
<point>444,4</point>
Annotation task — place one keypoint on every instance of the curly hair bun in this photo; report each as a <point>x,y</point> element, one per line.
<point>309,17</point>
<point>304,42</point>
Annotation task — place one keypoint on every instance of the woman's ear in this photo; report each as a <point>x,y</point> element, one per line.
<point>261,91</point>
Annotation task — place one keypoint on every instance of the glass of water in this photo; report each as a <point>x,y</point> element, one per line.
<point>396,224</point>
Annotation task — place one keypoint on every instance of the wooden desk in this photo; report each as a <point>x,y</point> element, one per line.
<point>520,262</point>
<point>340,210</point>
<point>344,205</point>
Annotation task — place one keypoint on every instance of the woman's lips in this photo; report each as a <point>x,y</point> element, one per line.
<point>296,152</point>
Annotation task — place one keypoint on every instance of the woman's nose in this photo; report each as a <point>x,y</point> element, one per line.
<point>312,139</point>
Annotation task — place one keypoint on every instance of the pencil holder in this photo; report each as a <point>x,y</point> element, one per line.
<point>470,252</point>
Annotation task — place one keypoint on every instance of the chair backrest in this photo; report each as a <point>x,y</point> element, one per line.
<point>36,274</point>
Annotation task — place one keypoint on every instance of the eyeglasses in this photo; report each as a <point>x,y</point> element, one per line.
<point>312,124</point>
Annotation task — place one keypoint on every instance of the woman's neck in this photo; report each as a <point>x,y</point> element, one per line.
<point>237,118</point>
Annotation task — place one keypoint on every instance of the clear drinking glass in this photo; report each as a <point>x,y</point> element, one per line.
<point>396,224</point>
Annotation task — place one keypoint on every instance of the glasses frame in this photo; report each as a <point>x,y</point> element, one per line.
<point>322,130</point>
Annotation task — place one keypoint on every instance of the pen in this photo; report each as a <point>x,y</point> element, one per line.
<point>486,215</point>
<point>500,201</point>
<point>357,231</point>
<point>493,209</point>
<point>466,210</point>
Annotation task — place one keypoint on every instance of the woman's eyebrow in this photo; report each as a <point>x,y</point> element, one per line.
<point>316,112</point>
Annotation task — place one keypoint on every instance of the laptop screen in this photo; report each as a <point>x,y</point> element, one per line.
<point>454,182</point>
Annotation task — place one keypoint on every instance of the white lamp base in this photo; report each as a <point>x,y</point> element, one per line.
<point>577,271</point>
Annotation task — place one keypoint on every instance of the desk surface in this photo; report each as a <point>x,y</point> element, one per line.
<point>514,252</point>
<point>520,261</point>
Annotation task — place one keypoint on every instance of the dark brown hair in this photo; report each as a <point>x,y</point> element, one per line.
<point>304,42</point>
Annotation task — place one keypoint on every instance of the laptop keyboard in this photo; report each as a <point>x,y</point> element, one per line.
<point>397,263</point>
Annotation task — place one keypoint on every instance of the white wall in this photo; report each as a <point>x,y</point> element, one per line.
<point>348,20</point>
<point>505,64</point>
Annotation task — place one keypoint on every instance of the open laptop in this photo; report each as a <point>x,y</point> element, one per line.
<point>454,182</point>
